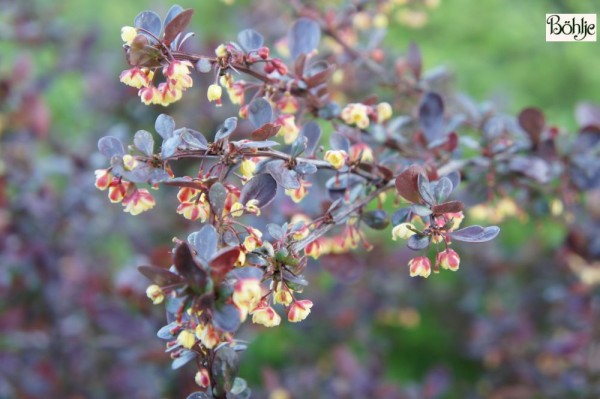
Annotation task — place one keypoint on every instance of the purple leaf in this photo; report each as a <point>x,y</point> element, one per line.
<point>475,234</point>
<point>532,120</point>
<point>303,37</point>
<point>150,21</point>
<point>260,112</point>
<point>431,117</point>
<point>159,275</point>
<point>262,187</point>
<point>110,146</point>
<point>406,184</point>
<point>144,142</point>
<point>177,25</point>
<point>250,40</point>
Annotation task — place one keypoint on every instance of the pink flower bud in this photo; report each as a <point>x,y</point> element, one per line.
<point>449,259</point>
<point>420,266</point>
<point>263,52</point>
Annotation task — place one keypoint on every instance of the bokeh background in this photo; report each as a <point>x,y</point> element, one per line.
<point>516,322</point>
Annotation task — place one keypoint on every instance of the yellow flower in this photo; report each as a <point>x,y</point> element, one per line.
<point>337,158</point>
<point>289,131</point>
<point>221,51</point>
<point>299,310</point>
<point>128,33</point>
<point>252,207</point>
<point>155,293</point>
<point>186,339</point>
<point>384,112</point>
<point>282,295</point>
<point>403,231</point>
<point>419,266</point>
<point>237,210</point>
<point>214,93</point>
<point>138,201</point>
<point>194,210</point>
<point>136,77</point>
<point>361,152</point>
<point>298,194</point>
<point>246,296</point>
<point>380,21</point>
<point>251,243</point>
<point>266,316</point>
<point>356,114</point>
<point>129,162</point>
<point>247,168</point>
<point>313,249</point>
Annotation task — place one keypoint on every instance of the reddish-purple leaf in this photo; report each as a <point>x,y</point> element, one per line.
<point>159,275</point>
<point>223,262</point>
<point>448,207</point>
<point>406,183</point>
<point>184,260</point>
<point>532,120</point>
<point>265,132</point>
<point>177,25</point>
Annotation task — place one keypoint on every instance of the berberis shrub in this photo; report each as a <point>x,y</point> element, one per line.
<point>329,119</point>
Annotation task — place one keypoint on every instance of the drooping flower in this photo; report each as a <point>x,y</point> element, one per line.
<point>246,296</point>
<point>137,201</point>
<point>178,74</point>
<point>214,93</point>
<point>247,168</point>
<point>128,33</point>
<point>299,193</point>
<point>299,310</point>
<point>313,249</point>
<point>289,131</point>
<point>288,104</point>
<point>202,378</point>
<point>117,189</point>
<point>361,152</point>
<point>137,77</point>
<point>403,231</point>
<point>282,294</point>
<point>155,293</point>
<point>265,315</point>
<point>384,112</point>
<point>420,266</point>
<point>103,179</point>
<point>448,259</point>
<point>186,338</point>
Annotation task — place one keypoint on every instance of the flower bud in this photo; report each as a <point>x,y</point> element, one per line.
<point>129,162</point>
<point>356,114</point>
<point>313,249</point>
<point>299,310</point>
<point>214,93</point>
<point>202,378</point>
<point>449,259</point>
<point>221,51</point>
<point>384,112</point>
<point>128,33</point>
<point>420,266</point>
<point>155,293</point>
<point>263,52</point>
<point>403,231</point>
<point>103,179</point>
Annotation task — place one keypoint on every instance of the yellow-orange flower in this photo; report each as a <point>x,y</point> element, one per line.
<point>214,93</point>
<point>298,194</point>
<point>449,259</point>
<point>289,131</point>
<point>246,296</point>
<point>337,158</point>
<point>403,231</point>
<point>155,293</point>
<point>282,295</point>
<point>299,310</point>
<point>419,266</point>
<point>356,114</point>
<point>384,112</point>
<point>138,201</point>
<point>186,339</point>
<point>247,168</point>
<point>128,33</point>
<point>137,77</point>
<point>265,315</point>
